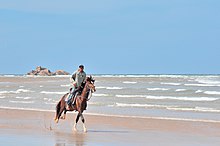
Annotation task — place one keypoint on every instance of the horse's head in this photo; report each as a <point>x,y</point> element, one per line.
<point>90,84</point>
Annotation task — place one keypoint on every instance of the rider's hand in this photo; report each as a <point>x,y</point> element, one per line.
<point>74,84</point>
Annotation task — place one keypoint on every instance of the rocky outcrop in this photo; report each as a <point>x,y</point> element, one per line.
<point>60,72</point>
<point>41,71</point>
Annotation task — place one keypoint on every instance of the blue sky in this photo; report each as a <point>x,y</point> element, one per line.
<point>111,36</point>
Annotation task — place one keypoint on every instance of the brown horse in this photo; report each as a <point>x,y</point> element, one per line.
<point>80,103</point>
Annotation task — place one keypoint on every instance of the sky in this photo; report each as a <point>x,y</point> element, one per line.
<point>111,36</point>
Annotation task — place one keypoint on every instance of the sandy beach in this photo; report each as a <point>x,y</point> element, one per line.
<point>29,127</point>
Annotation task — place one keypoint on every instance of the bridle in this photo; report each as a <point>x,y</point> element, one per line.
<point>89,92</point>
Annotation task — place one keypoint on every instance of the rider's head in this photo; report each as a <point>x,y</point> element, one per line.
<point>81,68</point>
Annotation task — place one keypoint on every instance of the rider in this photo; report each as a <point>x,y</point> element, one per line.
<point>77,78</point>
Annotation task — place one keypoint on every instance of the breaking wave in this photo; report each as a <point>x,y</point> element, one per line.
<point>48,92</point>
<point>171,98</point>
<point>212,92</point>
<point>129,82</point>
<point>157,89</point>
<point>174,84</point>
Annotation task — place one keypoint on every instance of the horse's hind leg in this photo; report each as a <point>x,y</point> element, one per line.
<point>83,120</point>
<point>77,119</point>
<point>64,115</point>
<point>58,117</point>
<point>57,111</point>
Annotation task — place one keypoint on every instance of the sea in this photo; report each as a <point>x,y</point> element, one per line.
<point>177,97</point>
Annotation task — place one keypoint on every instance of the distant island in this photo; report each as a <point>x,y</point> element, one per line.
<point>41,71</point>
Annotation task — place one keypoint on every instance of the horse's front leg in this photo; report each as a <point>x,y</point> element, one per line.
<point>77,119</point>
<point>83,120</point>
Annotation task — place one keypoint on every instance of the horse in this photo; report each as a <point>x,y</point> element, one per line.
<point>80,103</point>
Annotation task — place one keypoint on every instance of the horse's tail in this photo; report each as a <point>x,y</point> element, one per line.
<point>58,107</point>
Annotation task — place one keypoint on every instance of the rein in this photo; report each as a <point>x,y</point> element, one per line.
<point>90,95</point>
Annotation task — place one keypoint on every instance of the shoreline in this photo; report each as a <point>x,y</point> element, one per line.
<point>119,116</point>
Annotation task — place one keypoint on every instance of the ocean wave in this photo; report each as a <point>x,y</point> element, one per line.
<point>53,103</point>
<point>48,92</point>
<point>195,109</point>
<point>183,98</point>
<point>141,105</point>
<point>174,84</point>
<point>198,91</point>
<point>157,89</point>
<point>171,97</point>
<point>23,97</point>
<point>129,82</point>
<point>98,95</point>
<point>12,101</point>
<point>212,92</point>
<point>9,75</point>
<point>16,92</point>
<point>1,97</point>
<point>41,86</point>
<point>114,88</point>
<point>180,90</point>
<point>67,85</point>
<point>130,95</point>
<point>207,81</point>
<point>109,88</point>
<point>201,85</point>
<point>168,107</point>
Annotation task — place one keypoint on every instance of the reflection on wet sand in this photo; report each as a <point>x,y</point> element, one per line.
<point>76,139</point>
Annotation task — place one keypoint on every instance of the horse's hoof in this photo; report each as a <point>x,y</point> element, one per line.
<point>56,121</point>
<point>74,129</point>
<point>63,118</point>
<point>85,130</point>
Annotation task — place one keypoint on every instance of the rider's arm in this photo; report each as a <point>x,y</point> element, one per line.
<point>84,78</point>
<point>73,77</point>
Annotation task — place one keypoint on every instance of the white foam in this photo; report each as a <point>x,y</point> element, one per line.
<point>12,101</point>
<point>53,103</point>
<point>208,81</point>
<point>180,90</point>
<point>212,92</point>
<point>21,86</point>
<point>142,105</point>
<point>109,88</point>
<point>9,75</point>
<point>196,109</point>
<point>171,97</point>
<point>1,97</point>
<point>16,92</point>
<point>23,90</point>
<point>114,88</point>
<point>130,96</point>
<point>157,89</point>
<point>95,94</point>
<point>201,85</point>
<point>48,92</point>
<point>41,86</point>
<point>129,82</point>
<point>67,85</point>
<point>183,98</point>
<point>198,91</point>
<point>174,84</point>
<point>23,97</point>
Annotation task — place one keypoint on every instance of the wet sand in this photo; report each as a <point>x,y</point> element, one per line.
<point>25,127</point>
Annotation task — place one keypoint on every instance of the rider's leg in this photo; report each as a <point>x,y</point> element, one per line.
<point>74,96</point>
<point>70,96</point>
